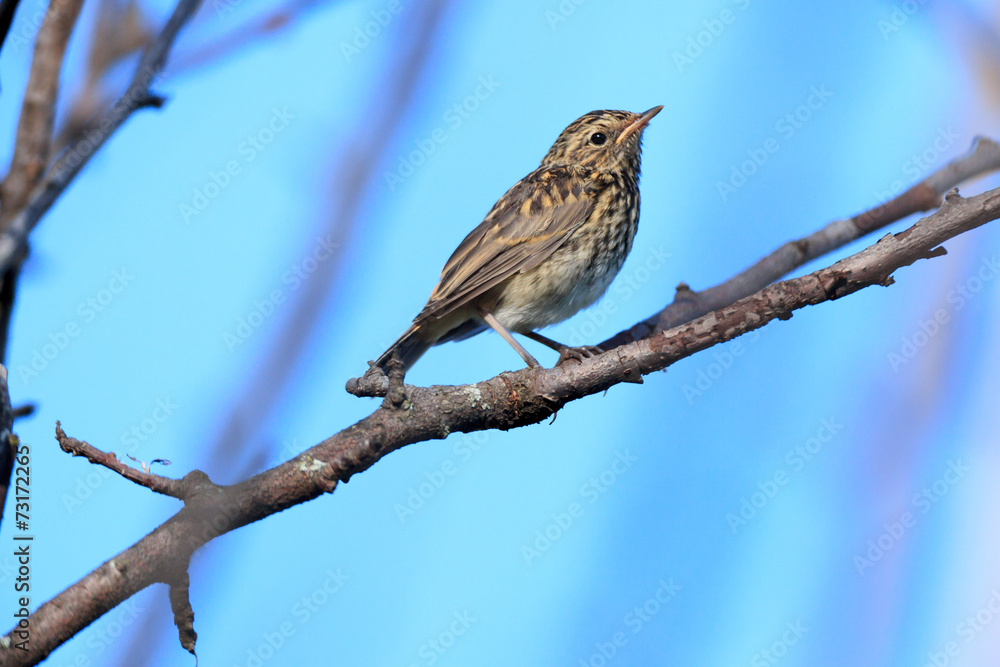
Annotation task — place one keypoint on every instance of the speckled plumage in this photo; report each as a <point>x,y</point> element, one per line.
<point>548,248</point>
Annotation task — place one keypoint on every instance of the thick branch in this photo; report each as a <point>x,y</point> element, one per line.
<point>503,402</point>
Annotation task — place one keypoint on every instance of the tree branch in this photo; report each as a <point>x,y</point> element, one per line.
<point>33,142</point>
<point>506,401</point>
<point>156,483</point>
<point>7,10</point>
<point>34,129</point>
<point>981,159</point>
<point>71,162</point>
<point>25,410</point>
<point>8,441</point>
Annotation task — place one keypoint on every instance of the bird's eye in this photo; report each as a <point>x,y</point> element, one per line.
<point>598,138</point>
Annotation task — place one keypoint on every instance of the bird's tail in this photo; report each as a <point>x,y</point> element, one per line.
<point>410,347</point>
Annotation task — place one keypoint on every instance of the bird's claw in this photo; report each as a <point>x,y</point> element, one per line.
<point>578,353</point>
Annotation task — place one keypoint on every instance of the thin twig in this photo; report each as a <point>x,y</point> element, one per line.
<point>174,488</point>
<point>121,28</point>
<point>234,41</point>
<point>25,410</point>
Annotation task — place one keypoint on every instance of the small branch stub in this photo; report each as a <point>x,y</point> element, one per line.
<point>180,605</point>
<point>169,487</point>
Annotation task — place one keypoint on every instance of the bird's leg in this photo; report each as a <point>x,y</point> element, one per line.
<point>565,352</point>
<point>506,335</point>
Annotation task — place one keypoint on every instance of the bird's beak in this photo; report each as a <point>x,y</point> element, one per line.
<point>637,125</point>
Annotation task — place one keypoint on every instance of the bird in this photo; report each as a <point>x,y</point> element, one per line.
<point>550,247</point>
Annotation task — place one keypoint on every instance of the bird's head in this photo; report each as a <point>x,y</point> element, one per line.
<point>602,140</point>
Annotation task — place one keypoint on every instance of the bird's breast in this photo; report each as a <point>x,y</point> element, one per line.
<point>580,271</point>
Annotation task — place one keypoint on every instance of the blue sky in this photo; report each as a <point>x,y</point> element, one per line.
<point>609,530</point>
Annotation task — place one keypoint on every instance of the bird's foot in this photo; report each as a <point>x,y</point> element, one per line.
<point>578,353</point>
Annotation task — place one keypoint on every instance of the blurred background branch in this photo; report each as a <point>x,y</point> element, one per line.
<point>32,147</point>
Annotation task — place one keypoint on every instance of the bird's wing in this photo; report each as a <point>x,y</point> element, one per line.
<point>524,228</point>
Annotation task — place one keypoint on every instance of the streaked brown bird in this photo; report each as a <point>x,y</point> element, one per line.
<point>550,247</point>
